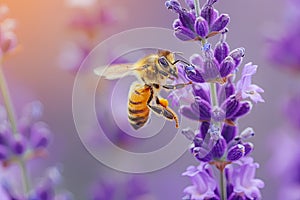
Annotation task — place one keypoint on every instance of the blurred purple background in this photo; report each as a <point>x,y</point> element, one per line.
<point>41,27</point>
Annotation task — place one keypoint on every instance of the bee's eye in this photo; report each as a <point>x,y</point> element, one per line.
<point>163,62</point>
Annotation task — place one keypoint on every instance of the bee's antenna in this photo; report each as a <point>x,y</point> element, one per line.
<point>182,61</point>
<point>178,53</point>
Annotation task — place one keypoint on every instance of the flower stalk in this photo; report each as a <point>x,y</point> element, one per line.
<point>197,6</point>
<point>213,94</point>
<point>13,122</point>
<point>223,185</point>
<point>25,177</point>
<point>7,102</point>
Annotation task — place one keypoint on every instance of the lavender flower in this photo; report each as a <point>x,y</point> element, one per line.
<point>32,140</point>
<point>214,65</point>
<point>218,104</point>
<point>241,183</point>
<point>204,185</point>
<point>132,188</point>
<point>8,39</point>
<point>283,51</point>
<point>189,26</point>
<point>22,139</point>
<point>245,88</point>
<point>44,190</point>
<point>291,110</point>
<point>241,177</point>
<point>89,22</point>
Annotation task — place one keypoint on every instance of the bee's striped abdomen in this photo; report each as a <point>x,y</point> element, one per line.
<point>138,111</point>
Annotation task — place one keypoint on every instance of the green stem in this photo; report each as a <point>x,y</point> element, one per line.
<point>213,94</point>
<point>13,122</point>
<point>8,102</point>
<point>197,7</point>
<point>223,185</point>
<point>25,178</point>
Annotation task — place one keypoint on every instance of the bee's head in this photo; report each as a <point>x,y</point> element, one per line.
<point>165,60</point>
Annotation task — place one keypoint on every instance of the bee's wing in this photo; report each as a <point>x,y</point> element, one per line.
<point>116,71</point>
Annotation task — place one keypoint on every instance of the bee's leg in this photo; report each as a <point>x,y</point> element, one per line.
<point>177,86</point>
<point>161,108</point>
<point>166,112</point>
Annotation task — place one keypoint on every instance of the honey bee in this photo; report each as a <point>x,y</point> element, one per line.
<point>153,71</point>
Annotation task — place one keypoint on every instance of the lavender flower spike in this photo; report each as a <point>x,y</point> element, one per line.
<point>218,103</point>
<point>244,183</point>
<point>245,89</point>
<point>203,184</point>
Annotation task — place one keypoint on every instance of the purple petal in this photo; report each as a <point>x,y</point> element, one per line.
<point>254,95</point>
<point>18,145</point>
<point>40,135</point>
<point>190,171</point>
<point>249,69</point>
<point>247,133</point>
<point>174,5</point>
<point>229,89</point>
<point>248,148</point>
<point>201,27</point>
<point>211,70</point>
<point>204,127</point>
<point>187,20</point>
<point>189,134</point>
<point>237,55</point>
<point>201,93</point>
<point>221,51</point>
<point>190,3</point>
<point>198,140</point>
<point>227,66</point>
<point>194,75</point>
<point>176,23</point>
<point>3,152</point>
<point>189,113</point>
<point>211,2</point>
<point>229,132</point>
<point>203,108</point>
<point>219,148</point>
<point>244,109</point>
<point>196,60</point>
<point>224,92</point>
<point>184,33</point>
<point>204,155</point>
<point>209,14</point>
<point>236,152</point>
<point>220,23</point>
<point>231,106</point>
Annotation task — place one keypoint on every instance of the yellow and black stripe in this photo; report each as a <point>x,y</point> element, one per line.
<point>138,111</point>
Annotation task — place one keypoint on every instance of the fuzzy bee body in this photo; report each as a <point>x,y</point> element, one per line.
<point>153,71</point>
<point>138,110</point>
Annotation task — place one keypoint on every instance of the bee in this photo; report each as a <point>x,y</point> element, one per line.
<point>153,71</point>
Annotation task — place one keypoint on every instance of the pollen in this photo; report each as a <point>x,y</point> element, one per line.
<point>164,102</point>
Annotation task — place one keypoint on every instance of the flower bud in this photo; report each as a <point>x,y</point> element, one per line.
<point>209,14</point>
<point>201,27</point>
<point>220,23</point>
<point>236,152</point>
<point>227,66</point>
<point>221,51</point>
<point>184,33</point>
<point>18,144</point>
<point>237,55</point>
<point>219,148</point>
<point>245,108</point>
